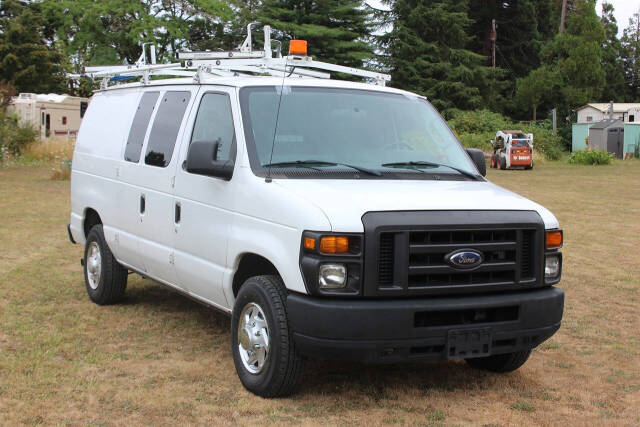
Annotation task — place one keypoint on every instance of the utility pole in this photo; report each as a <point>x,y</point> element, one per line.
<point>493,37</point>
<point>563,16</point>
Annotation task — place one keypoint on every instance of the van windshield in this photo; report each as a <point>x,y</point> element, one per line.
<point>330,130</point>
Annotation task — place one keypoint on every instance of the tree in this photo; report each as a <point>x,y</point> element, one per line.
<point>27,62</point>
<point>523,28</point>
<point>576,55</point>
<point>537,88</point>
<point>614,88</point>
<point>95,32</point>
<point>428,54</point>
<point>336,30</point>
<point>631,49</point>
<point>205,34</point>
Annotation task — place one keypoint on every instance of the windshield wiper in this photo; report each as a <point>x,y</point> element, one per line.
<point>418,164</point>
<point>308,163</point>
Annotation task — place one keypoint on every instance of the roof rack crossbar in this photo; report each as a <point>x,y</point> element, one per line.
<point>244,61</point>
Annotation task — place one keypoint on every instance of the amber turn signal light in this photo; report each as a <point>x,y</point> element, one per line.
<point>298,47</point>
<point>334,244</point>
<point>554,239</point>
<point>310,243</point>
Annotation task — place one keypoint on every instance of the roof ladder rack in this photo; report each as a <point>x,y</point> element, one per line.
<point>241,62</point>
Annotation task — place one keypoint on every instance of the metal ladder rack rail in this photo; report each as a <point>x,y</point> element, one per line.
<point>243,62</point>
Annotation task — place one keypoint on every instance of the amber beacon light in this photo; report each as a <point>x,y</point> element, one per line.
<point>298,47</point>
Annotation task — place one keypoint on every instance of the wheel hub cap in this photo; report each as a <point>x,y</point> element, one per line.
<point>94,265</point>
<point>253,338</point>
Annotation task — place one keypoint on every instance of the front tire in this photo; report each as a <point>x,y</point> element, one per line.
<point>104,278</point>
<point>500,363</point>
<point>264,353</point>
<point>503,163</point>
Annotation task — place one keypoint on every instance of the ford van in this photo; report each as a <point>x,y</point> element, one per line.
<point>327,218</point>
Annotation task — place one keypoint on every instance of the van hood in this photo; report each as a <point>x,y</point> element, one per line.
<point>344,202</point>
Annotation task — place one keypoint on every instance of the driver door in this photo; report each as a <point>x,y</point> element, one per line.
<point>204,205</point>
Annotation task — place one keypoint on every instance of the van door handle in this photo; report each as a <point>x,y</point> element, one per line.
<point>143,204</point>
<point>177,213</point>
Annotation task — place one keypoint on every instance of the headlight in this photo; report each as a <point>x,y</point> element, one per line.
<point>332,276</point>
<point>552,267</point>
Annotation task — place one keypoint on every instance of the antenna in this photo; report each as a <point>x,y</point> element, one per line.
<point>275,128</point>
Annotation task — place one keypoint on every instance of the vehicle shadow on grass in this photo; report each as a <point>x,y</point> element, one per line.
<point>324,377</point>
<point>162,300</point>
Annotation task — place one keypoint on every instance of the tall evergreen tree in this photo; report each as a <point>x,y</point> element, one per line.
<point>336,30</point>
<point>631,49</point>
<point>428,53</point>
<point>537,88</point>
<point>26,61</point>
<point>614,87</point>
<point>576,55</point>
<point>523,28</point>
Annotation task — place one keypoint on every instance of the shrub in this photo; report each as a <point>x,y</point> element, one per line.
<point>14,137</point>
<point>476,128</point>
<point>591,157</point>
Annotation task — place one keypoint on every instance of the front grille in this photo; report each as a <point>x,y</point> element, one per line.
<point>385,262</point>
<point>412,260</point>
<point>428,250</point>
<point>527,254</point>
<point>424,319</point>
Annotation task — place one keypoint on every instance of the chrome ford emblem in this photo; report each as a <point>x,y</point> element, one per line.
<point>465,258</point>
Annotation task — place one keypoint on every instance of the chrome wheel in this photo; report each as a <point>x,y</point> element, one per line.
<point>253,338</point>
<point>94,265</point>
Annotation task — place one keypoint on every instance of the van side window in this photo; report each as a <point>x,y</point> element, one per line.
<point>166,125</point>
<point>139,126</point>
<point>214,123</point>
<point>83,108</point>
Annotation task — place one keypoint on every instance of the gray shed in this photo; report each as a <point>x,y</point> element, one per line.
<point>608,135</point>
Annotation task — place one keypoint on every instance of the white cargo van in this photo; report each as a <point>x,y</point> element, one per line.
<point>327,218</point>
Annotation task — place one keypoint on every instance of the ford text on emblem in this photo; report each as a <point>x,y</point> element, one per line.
<point>465,258</point>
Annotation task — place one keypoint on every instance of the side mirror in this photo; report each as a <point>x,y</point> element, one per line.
<point>202,159</point>
<point>478,159</point>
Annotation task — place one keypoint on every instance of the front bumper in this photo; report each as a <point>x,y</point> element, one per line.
<point>404,330</point>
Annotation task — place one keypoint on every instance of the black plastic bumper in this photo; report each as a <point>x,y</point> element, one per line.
<point>404,330</point>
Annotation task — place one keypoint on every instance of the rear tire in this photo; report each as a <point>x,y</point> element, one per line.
<point>270,367</point>
<point>500,363</point>
<point>104,278</point>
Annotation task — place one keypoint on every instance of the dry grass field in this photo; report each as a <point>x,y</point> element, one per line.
<point>159,358</point>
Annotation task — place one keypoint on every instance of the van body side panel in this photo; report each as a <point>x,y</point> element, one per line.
<point>269,222</point>
<point>152,197</point>
<point>96,170</point>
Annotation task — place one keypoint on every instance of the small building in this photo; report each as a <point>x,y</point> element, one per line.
<point>50,113</point>
<point>596,112</point>
<point>631,138</point>
<point>580,136</point>
<point>608,135</point>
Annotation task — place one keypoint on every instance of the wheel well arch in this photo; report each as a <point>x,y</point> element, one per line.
<point>251,265</point>
<point>91,218</point>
